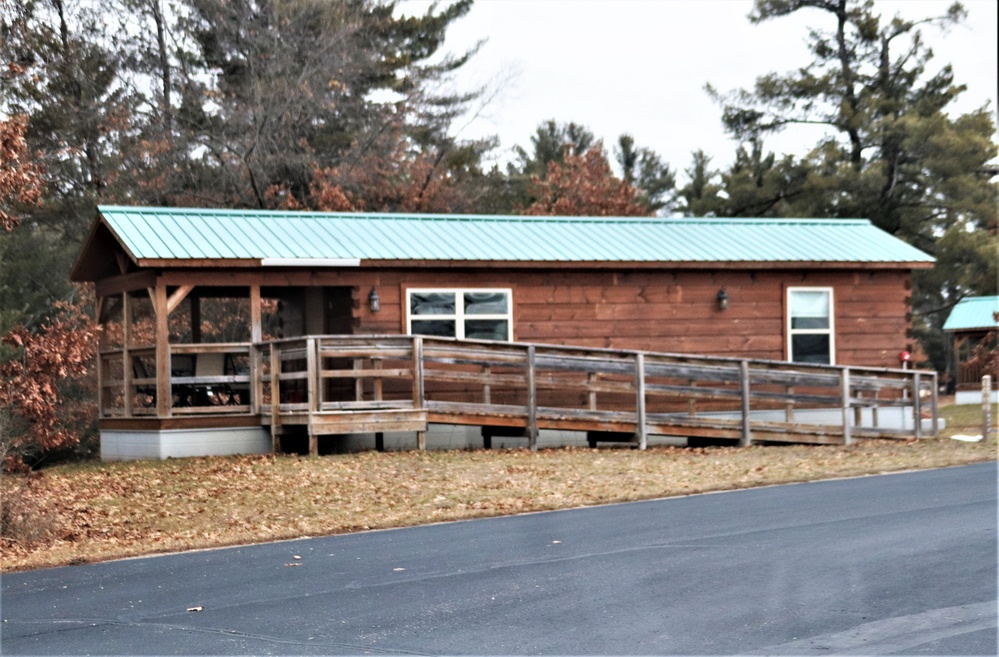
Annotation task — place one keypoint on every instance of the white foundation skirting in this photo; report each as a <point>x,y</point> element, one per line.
<point>129,445</point>
<point>974,397</point>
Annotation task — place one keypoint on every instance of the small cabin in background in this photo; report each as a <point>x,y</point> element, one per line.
<point>186,297</point>
<point>973,325</point>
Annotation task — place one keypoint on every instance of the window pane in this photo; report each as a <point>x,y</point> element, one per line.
<point>438,327</point>
<point>485,303</point>
<point>486,329</point>
<point>810,303</point>
<point>810,349</point>
<point>809,322</point>
<point>431,303</point>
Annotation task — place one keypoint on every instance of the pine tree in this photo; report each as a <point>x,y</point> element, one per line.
<point>891,153</point>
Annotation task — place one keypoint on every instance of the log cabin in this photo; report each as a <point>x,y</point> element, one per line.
<point>197,303</point>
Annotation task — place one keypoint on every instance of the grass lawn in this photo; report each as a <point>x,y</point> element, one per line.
<point>93,511</point>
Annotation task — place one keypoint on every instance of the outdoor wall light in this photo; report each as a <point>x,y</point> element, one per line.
<point>373,301</point>
<point>722,299</point>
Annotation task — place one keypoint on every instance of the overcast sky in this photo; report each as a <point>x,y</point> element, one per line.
<point>640,66</point>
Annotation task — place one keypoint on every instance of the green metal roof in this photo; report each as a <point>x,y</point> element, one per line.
<point>313,238</point>
<point>973,313</point>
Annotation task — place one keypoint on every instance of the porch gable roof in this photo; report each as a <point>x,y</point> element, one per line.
<point>973,313</point>
<point>185,237</point>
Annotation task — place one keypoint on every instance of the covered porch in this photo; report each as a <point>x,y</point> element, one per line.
<point>179,359</point>
<point>973,327</point>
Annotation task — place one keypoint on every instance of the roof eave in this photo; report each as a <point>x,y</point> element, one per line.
<point>313,263</point>
<point>645,264</point>
<point>959,329</point>
<point>247,263</point>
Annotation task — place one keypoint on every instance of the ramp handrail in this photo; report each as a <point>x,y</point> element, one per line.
<point>530,385</point>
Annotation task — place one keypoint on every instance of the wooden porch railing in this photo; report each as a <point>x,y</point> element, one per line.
<point>205,378</point>
<point>969,375</point>
<point>374,384</point>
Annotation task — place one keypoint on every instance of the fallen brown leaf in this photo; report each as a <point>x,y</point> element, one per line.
<point>98,511</point>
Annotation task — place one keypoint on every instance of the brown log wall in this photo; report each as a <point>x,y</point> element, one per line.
<point>654,310</point>
<point>676,311</point>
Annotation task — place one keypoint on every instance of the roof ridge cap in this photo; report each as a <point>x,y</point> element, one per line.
<point>446,217</point>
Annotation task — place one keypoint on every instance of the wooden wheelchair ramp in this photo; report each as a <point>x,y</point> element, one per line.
<point>382,384</point>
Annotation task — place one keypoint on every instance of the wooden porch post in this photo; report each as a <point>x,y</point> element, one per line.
<point>640,402</point>
<point>164,394</point>
<point>101,346</point>
<point>955,364</point>
<point>418,391</point>
<point>311,386</point>
<point>532,401</point>
<point>256,335</point>
<point>935,400</point>
<point>845,402</point>
<point>276,397</point>
<point>126,356</point>
<point>747,437</point>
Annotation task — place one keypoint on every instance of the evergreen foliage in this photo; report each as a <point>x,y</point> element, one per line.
<point>892,152</point>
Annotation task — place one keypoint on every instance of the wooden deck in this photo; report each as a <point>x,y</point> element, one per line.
<point>323,385</point>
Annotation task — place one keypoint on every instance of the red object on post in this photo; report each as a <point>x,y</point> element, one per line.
<point>905,357</point>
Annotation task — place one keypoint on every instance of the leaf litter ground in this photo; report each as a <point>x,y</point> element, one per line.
<point>94,511</point>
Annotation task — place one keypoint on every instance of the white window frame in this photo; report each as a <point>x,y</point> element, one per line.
<point>459,315</point>
<point>831,331</point>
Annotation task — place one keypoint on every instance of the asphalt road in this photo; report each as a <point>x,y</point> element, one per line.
<point>900,563</point>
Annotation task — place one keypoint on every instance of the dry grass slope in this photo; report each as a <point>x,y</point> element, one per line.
<point>94,511</point>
